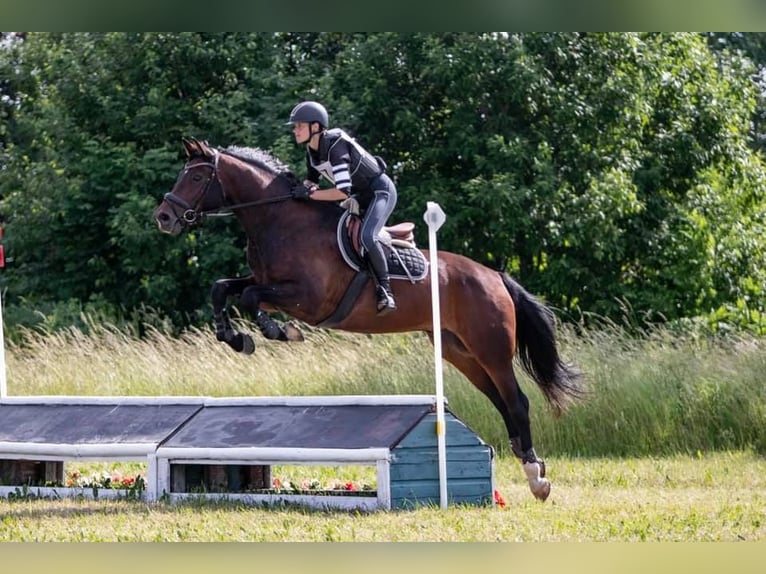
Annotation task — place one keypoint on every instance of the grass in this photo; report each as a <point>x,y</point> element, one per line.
<point>720,497</point>
<point>660,394</point>
<point>668,446</point>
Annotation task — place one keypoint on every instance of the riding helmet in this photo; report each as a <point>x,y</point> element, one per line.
<point>309,112</point>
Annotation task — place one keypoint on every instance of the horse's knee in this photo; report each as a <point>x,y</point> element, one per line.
<point>219,291</point>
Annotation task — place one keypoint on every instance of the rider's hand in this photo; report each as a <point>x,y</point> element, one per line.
<point>301,191</point>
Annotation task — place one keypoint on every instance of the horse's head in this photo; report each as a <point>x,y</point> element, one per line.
<point>196,191</point>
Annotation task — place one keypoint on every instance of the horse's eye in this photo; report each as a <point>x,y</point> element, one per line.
<point>196,178</point>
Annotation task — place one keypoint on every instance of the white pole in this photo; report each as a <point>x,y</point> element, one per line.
<point>434,218</point>
<point>3,385</point>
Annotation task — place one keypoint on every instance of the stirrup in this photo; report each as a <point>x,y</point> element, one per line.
<point>386,302</point>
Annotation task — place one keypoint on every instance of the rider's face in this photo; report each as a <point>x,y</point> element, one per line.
<point>301,132</point>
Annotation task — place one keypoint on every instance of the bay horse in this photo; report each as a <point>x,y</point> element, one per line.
<point>297,268</point>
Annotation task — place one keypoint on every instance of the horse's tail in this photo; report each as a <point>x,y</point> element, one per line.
<point>537,351</point>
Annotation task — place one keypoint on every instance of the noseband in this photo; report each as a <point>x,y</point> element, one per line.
<point>193,213</point>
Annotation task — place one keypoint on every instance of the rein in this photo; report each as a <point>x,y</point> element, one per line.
<point>265,200</point>
<point>192,214</point>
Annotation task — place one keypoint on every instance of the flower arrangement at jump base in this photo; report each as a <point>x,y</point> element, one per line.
<point>314,486</point>
<point>105,480</point>
<point>339,488</point>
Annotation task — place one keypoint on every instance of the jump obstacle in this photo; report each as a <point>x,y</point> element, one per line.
<point>225,447</point>
<point>213,448</point>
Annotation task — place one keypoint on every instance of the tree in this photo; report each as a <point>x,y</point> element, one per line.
<point>577,161</point>
<point>605,171</point>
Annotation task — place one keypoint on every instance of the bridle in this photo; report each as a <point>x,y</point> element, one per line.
<point>193,214</point>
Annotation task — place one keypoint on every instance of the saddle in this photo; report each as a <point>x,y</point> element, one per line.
<point>402,233</point>
<point>405,260</point>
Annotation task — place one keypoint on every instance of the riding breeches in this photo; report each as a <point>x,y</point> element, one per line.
<point>375,217</point>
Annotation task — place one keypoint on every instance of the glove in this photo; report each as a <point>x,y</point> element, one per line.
<point>300,191</point>
<point>351,205</point>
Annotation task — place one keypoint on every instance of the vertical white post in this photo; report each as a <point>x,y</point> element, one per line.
<point>3,385</point>
<point>434,218</point>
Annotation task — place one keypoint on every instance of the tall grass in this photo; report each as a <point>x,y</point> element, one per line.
<point>658,394</point>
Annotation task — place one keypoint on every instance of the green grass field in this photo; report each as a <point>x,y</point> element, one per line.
<point>669,445</point>
<point>719,497</point>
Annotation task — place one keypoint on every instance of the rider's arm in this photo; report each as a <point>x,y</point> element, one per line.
<point>331,194</point>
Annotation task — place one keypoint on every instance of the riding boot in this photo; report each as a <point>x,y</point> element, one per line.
<point>386,302</point>
<point>379,268</point>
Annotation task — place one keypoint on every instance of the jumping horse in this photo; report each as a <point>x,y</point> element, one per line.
<point>297,268</point>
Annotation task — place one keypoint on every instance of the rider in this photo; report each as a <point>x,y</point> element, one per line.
<point>358,177</point>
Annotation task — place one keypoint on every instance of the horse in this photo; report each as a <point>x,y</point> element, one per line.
<point>298,268</point>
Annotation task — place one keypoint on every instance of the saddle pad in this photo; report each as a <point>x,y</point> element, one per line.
<point>403,262</point>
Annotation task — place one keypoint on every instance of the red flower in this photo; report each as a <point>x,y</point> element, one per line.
<point>499,500</point>
<point>350,486</point>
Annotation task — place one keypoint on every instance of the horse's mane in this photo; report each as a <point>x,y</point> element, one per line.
<point>263,159</point>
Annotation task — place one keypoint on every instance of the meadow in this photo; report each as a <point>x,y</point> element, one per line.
<point>668,445</point>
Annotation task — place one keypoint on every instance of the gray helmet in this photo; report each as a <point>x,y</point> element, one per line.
<point>309,112</point>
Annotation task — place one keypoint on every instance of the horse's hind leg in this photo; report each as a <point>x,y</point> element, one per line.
<point>515,416</point>
<point>270,328</point>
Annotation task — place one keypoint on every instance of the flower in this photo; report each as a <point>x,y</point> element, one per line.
<point>499,500</point>
<point>75,479</point>
<point>313,485</point>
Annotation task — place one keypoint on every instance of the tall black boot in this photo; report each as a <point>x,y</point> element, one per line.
<point>386,302</point>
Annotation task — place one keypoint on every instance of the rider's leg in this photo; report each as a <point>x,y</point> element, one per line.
<point>375,216</point>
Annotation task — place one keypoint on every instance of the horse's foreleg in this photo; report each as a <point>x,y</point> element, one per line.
<point>224,331</point>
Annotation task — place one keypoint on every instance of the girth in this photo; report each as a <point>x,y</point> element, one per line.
<point>405,261</point>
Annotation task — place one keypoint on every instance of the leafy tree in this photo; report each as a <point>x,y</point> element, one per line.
<point>608,172</point>
<point>574,160</point>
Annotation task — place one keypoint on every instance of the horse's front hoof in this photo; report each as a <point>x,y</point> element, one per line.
<point>242,343</point>
<point>248,345</point>
<point>293,333</point>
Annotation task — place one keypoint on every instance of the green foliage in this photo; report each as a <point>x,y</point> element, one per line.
<point>602,170</point>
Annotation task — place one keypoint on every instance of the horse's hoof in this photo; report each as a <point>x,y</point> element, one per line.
<point>540,487</point>
<point>248,345</point>
<point>542,491</point>
<point>242,343</point>
<point>293,333</point>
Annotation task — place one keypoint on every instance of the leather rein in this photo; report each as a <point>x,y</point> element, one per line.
<point>194,213</point>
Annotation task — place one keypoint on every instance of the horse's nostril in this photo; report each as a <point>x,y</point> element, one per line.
<point>164,217</point>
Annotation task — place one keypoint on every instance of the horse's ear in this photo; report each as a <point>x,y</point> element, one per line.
<point>189,146</point>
